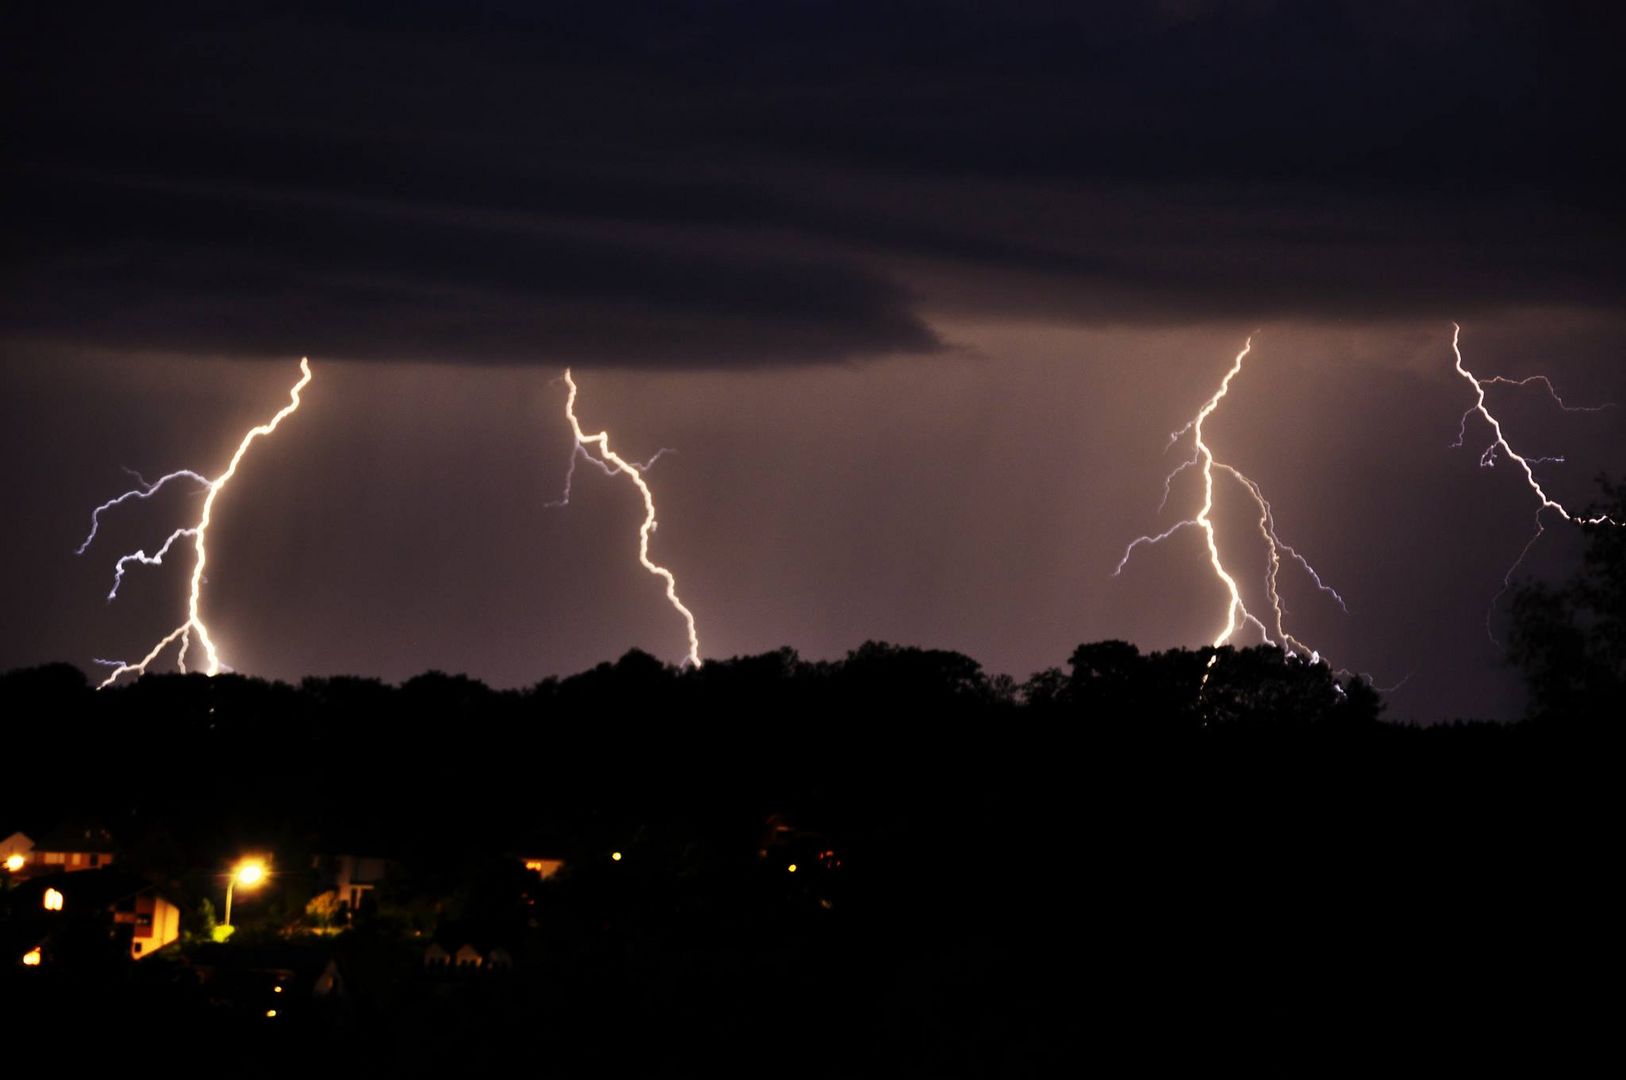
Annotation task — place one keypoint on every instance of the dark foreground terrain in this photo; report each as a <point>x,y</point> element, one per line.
<point>1118,867</point>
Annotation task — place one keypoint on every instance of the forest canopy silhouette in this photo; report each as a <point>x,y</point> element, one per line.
<point>1251,824</point>
<point>884,722</point>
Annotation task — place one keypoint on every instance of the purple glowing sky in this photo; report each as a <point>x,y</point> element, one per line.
<point>916,293</point>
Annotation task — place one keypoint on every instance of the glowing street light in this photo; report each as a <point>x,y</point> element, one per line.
<point>249,873</point>
<point>16,862</point>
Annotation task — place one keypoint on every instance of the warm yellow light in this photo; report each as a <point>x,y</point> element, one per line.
<point>270,1013</point>
<point>616,855</point>
<point>53,900</point>
<point>249,873</point>
<point>32,957</point>
<point>791,868</point>
<point>276,989</point>
<point>15,863</point>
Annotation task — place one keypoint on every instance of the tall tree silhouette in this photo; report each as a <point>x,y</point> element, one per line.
<point>1570,639</point>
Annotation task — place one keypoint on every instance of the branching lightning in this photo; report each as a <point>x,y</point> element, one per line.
<point>198,534</point>
<point>580,453</point>
<point>1488,458</point>
<point>155,559</point>
<point>612,464</point>
<point>1499,443</point>
<point>144,491</point>
<point>1237,614</point>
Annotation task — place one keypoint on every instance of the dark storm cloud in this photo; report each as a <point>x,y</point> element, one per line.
<point>771,183</point>
<point>246,272</point>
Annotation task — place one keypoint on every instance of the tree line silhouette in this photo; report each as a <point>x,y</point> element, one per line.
<point>1191,856</point>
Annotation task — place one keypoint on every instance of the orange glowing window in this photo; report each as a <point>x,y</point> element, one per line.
<point>53,900</point>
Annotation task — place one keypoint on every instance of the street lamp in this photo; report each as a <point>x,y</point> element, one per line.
<point>249,873</point>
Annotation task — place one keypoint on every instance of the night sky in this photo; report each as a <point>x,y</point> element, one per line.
<point>916,292</point>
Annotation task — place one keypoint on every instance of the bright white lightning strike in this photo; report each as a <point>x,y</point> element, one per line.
<point>1236,612</point>
<point>199,535</point>
<point>612,464</point>
<point>1499,442</point>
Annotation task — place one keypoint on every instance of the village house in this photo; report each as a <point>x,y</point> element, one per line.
<point>16,852</point>
<point>119,906</point>
<point>351,878</point>
<point>72,847</point>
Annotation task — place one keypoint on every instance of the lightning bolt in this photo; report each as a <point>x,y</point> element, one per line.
<point>198,534</point>
<point>1488,457</point>
<point>580,453</point>
<point>1237,614</point>
<point>612,464</point>
<point>155,559</point>
<point>1544,502</point>
<point>144,491</point>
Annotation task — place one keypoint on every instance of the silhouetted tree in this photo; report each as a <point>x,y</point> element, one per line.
<point>1570,639</point>
<point>1183,690</point>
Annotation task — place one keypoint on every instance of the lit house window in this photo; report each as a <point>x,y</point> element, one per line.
<point>53,900</point>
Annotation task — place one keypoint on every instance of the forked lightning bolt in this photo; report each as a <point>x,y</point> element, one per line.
<point>1499,442</point>
<point>1236,612</point>
<point>579,453</point>
<point>1488,458</point>
<point>613,464</point>
<point>198,534</point>
<point>145,491</point>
